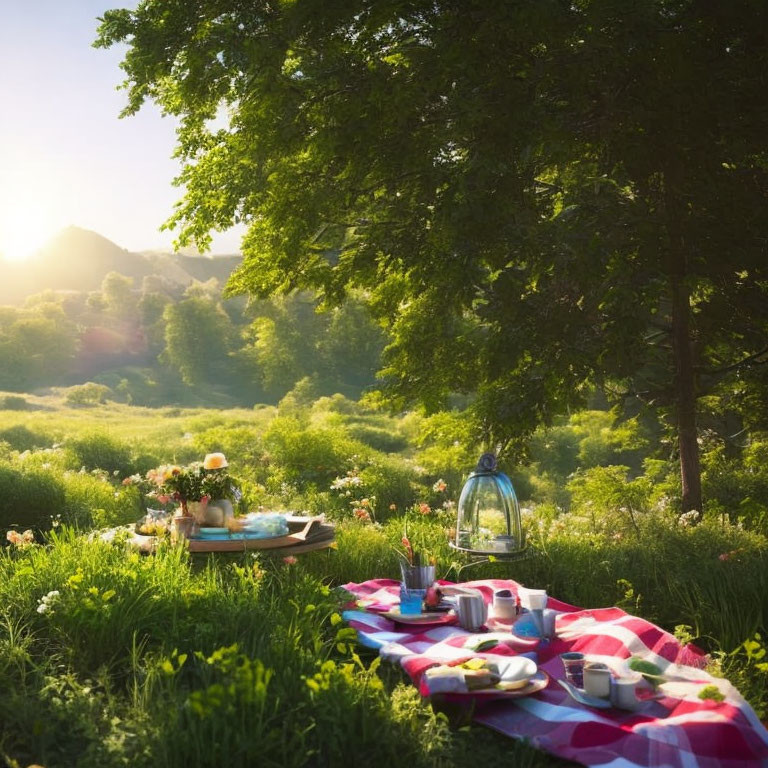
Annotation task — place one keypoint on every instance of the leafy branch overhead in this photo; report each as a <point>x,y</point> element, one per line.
<point>523,190</point>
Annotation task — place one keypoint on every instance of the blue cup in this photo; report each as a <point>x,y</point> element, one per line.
<point>411,600</point>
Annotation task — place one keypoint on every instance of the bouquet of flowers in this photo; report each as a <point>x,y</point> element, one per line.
<point>197,482</point>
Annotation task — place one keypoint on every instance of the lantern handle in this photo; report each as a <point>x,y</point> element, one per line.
<point>486,463</point>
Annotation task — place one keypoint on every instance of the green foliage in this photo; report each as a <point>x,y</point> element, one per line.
<point>518,242</point>
<point>737,486</point>
<point>98,450</point>
<point>22,438</point>
<point>28,498</point>
<point>198,334</point>
<point>13,403</point>
<point>89,393</point>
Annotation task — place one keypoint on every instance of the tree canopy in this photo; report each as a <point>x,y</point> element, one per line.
<point>536,195</point>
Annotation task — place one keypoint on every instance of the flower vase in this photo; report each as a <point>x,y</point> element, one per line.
<point>221,510</point>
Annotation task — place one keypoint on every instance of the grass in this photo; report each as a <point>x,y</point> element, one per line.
<point>177,660</point>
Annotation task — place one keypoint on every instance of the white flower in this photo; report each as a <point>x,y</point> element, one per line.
<point>689,518</point>
<point>43,608</point>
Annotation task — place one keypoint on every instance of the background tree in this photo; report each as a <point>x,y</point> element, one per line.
<point>198,335</point>
<point>535,194</point>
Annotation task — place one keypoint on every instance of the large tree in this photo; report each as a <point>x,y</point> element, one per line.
<point>533,192</point>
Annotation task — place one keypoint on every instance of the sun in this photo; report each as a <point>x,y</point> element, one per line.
<point>23,230</point>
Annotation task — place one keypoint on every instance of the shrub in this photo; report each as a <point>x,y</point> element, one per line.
<point>390,481</point>
<point>97,450</point>
<point>22,438</point>
<point>14,403</point>
<point>89,393</point>
<point>89,500</point>
<point>309,456</point>
<point>379,438</point>
<point>28,499</point>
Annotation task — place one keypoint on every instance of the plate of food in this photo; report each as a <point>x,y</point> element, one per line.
<point>427,617</point>
<point>514,677</point>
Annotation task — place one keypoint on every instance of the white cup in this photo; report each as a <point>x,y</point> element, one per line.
<point>597,679</point>
<point>623,693</point>
<point>504,605</point>
<point>533,599</point>
<point>472,611</point>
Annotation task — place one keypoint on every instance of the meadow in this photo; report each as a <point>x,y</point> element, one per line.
<point>110,658</point>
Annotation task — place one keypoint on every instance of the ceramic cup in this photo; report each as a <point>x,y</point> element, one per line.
<point>597,679</point>
<point>472,611</point>
<point>533,599</point>
<point>504,605</point>
<point>623,693</point>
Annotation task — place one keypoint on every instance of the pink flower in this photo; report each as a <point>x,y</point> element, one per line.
<point>290,560</point>
<point>163,498</point>
<point>725,556</point>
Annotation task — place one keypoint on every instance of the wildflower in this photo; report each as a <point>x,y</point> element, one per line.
<point>440,486</point>
<point>362,514</point>
<point>424,508</point>
<point>365,503</point>
<point>725,556</point>
<point>448,505</point>
<point>689,518</point>
<point>290,560</point>
<point>408,549</point>
<point>20,540</point>
<point>392,507</point>
<point>47,602</point>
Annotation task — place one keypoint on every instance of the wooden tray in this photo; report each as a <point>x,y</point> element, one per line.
<point>314,532</point>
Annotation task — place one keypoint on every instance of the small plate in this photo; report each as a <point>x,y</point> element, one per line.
<point>584,698</point>
<point>419,618</point>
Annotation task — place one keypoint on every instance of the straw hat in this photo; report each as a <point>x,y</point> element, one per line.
<point>215,461</point>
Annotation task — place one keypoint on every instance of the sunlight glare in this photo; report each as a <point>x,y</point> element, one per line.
<point>22,232</point>
<point>29,213</point>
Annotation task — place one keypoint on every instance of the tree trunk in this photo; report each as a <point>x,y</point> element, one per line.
<point>685,396</point>
<point>685,383</point>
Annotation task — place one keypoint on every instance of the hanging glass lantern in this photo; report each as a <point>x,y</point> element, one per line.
<point>489,516</point>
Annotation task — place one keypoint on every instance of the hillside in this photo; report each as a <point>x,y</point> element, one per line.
<point>78,260</point>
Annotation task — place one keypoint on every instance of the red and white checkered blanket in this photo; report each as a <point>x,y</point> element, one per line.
<point>679,730</point>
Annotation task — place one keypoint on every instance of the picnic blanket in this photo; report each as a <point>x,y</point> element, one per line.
<point>679,730</point>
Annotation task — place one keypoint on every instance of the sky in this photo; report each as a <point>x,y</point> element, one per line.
<point>66,159</point>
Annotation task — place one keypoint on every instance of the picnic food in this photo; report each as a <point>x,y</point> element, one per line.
<point>650,671</point>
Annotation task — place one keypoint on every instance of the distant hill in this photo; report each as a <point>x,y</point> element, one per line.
<point>78,260</point>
